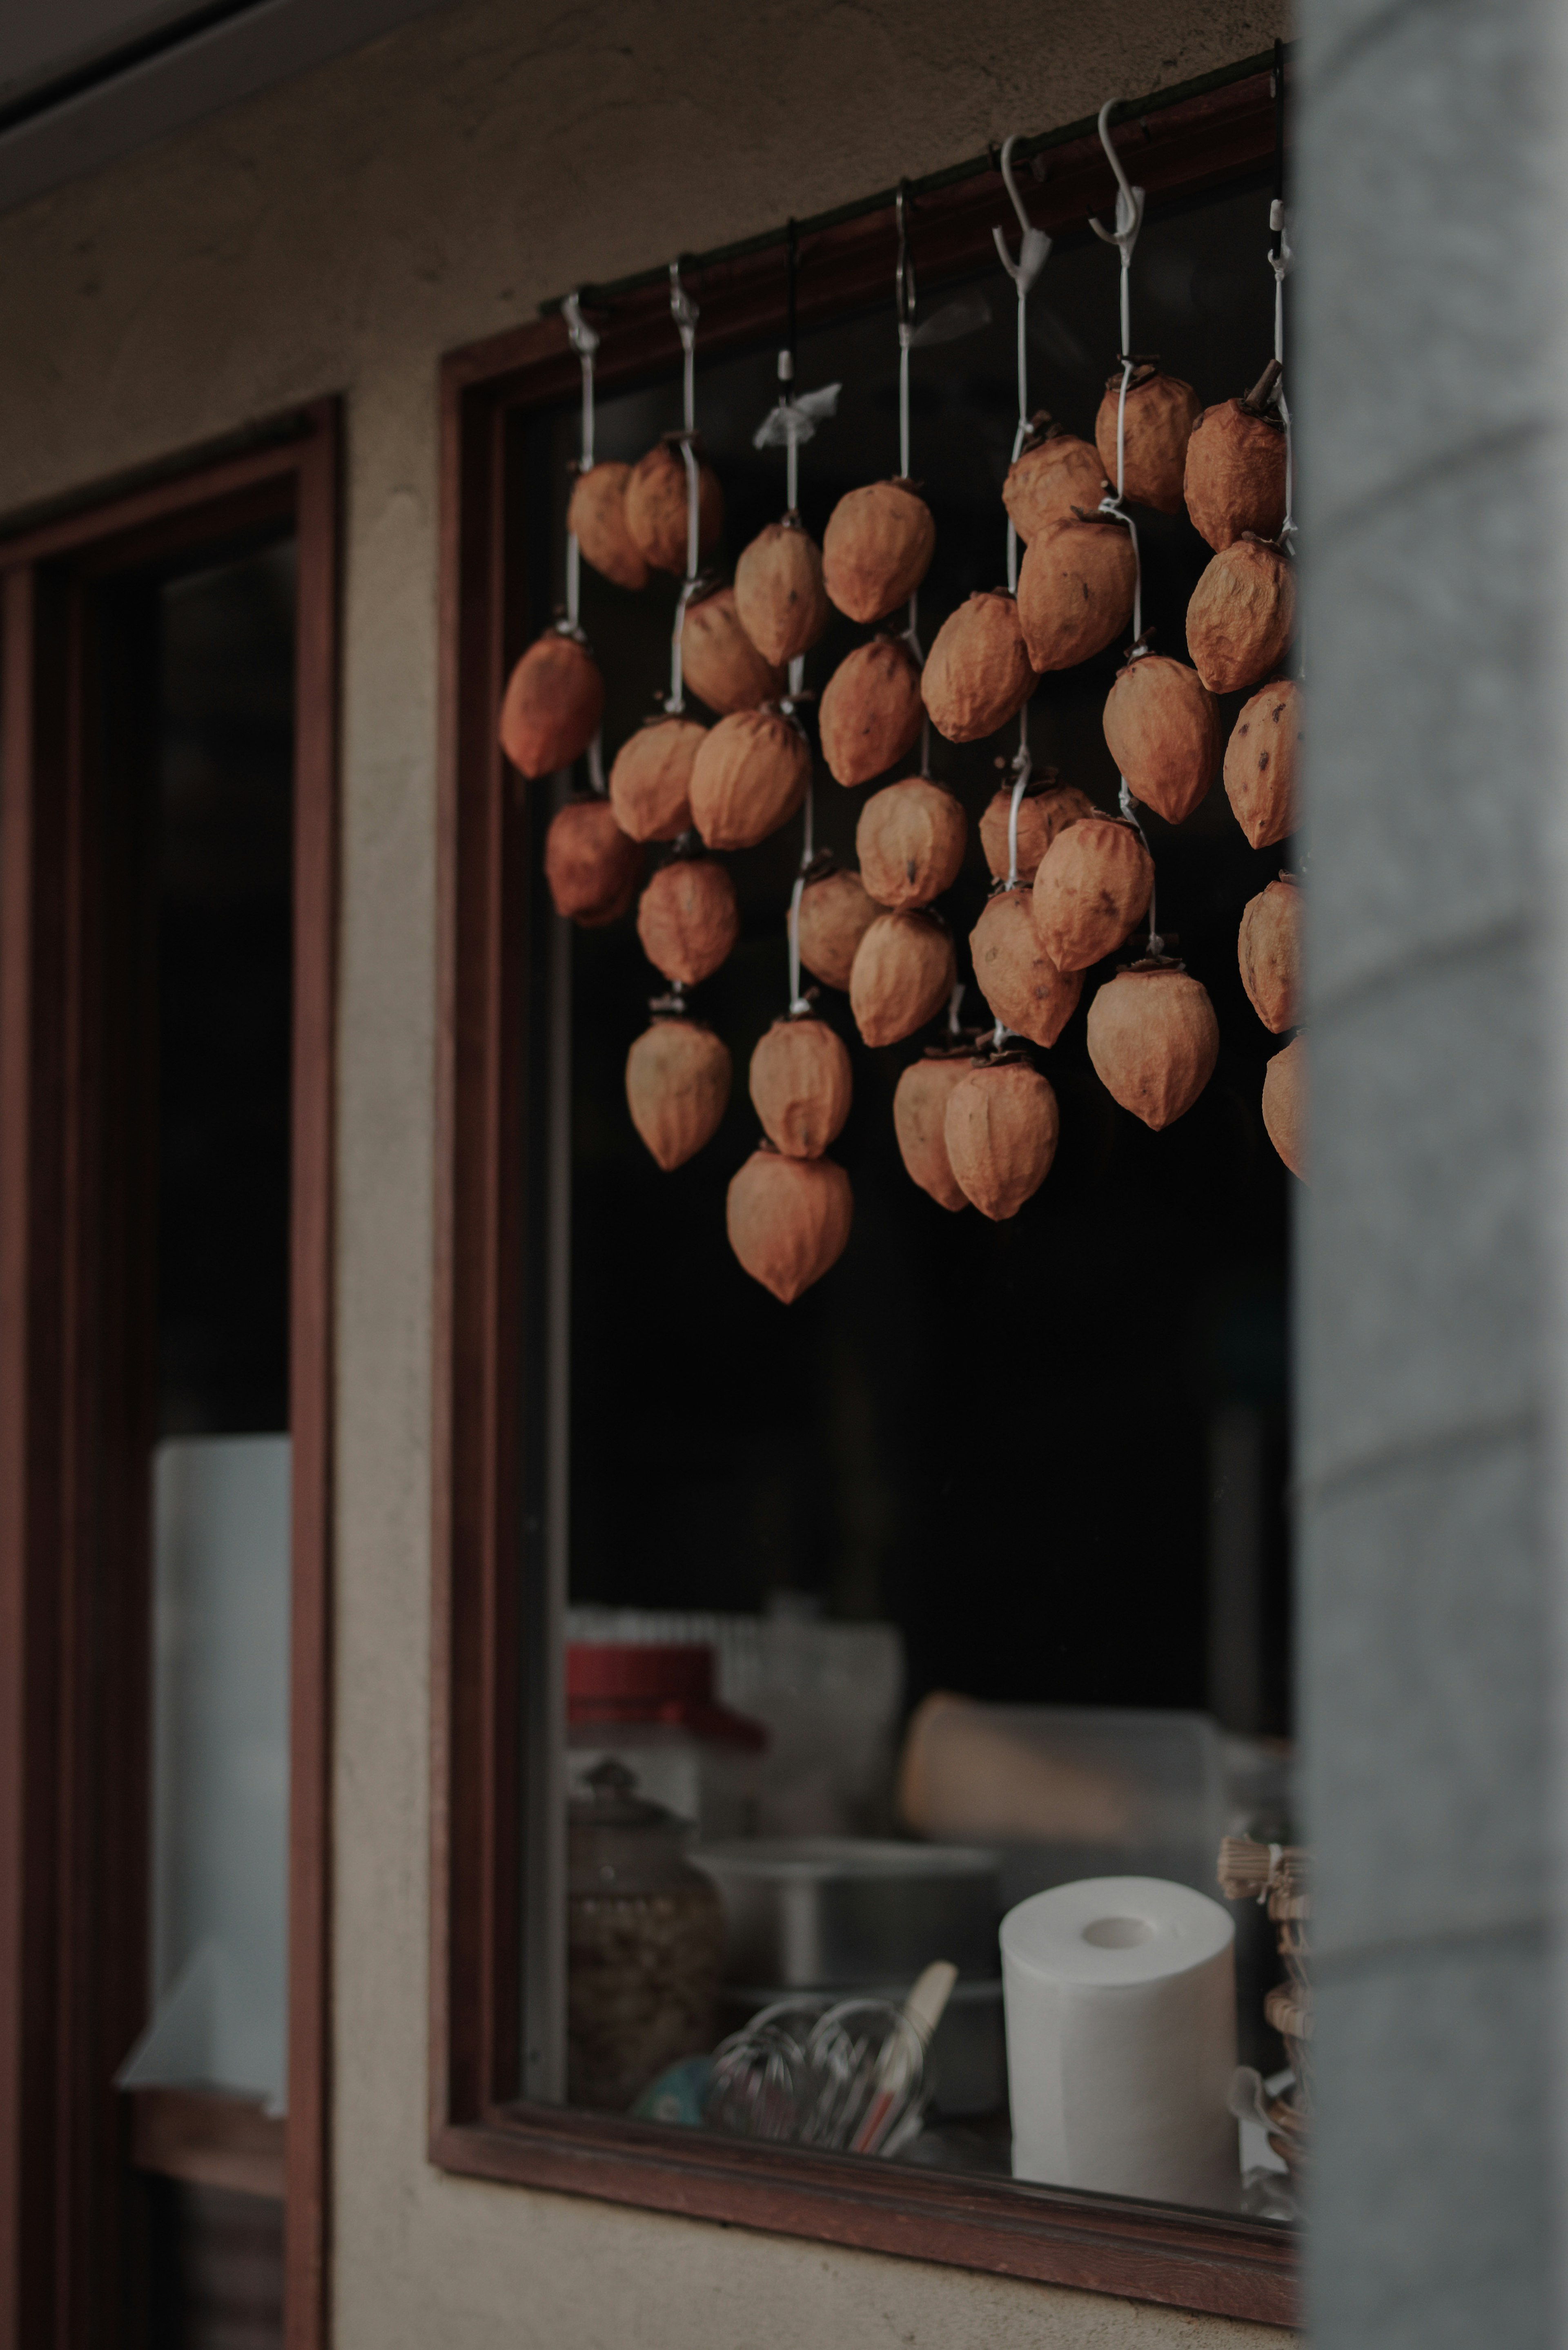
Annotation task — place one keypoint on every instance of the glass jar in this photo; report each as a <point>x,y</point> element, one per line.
<point>652,1706</point>
<point>645,1937</point>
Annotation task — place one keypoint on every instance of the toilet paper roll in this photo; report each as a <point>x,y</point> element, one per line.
<point>1120,2000</point>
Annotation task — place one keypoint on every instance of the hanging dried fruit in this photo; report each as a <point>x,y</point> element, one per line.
<point>656,507</point>
<point>1042,815</point>
<point>719,661</point>
<point>788,1220</point>
<point>1285,1104</point>
<point>650,780</point>
<point>597,518</point>
<point>903,973</point>
<point>1242,615</point>
<point>688,919</point>
<point>919,1119</point>
<point>1023,987</point>
<point>1269,948</point>
<point>910,842</point>
<point>1094,883</point>
<point>555,700</point>
<point>779,593</point>
<point>801,1086</point>
<point>749,777</point>
<point>1160,414</point>
<point>1261,763</point>
<point>677,1089</point>
<point>834,915</point>
<point>978,674</point>
<point>1000,1131</point>
<point>1236,466</point>
<point>876,548</point>
<point>1076,590</point>
<point>1162,729</point>
<point>1154,1040</point>
<point>871,712</point>
<point>590,864</point>
<point>1051,473</point>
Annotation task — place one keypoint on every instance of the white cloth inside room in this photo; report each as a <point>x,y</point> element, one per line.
<point>220,1769</point>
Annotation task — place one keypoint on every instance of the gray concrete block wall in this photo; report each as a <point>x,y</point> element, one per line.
<point>1426,216</point>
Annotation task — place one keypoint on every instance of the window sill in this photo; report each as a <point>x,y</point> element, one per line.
<point>207,2139</point>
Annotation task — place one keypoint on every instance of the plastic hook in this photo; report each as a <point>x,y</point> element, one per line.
<point>1129,200</point>
<point>1035,246</point>
<point>904,275</point>
<point>585,342</point>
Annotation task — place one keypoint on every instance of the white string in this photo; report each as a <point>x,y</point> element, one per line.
<point>1124,236</point>
<point>1033,251</point>
<point>1022,766</point>
<point>585,342</point>
<point>1280,260</point>
<point>685,313</point>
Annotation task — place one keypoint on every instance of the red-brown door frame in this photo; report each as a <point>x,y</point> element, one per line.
<point>73,1589</point>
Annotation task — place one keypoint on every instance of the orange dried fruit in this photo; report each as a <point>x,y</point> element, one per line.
<point>834,915</point>
<point>1160,414</point>
<point>871,712</point>
<point>978,673</point>
<point>1076,590</point>
<point>1154,1040</point>
<point>1000,1131</point>
<point>910,842</point>
<point>1162,729</point>
<point>1269,948</point>
<point>788,1220</point>
<point>689,919</point>
<point>779,591</point>
<point>1042,815</point>
<point>554,701</point>
<point>920,1115</point>
<point>1094,883</point>
<point>718,660</point>
<point>749,777</point>
<point>801,1086</point>
<point>903,973</point>
<point>877,549</point>
<point>677,1089</point>
<point>590,864</point>
<point>649,784</point>
<point>656,507</point>
<point>597,518</point>
<point>1235,478</point>
<point>1261,763</point>
<point>1285,1104</point>
<point>1051,473</point>
<point>1242,615</point>
<point>1023,987</point>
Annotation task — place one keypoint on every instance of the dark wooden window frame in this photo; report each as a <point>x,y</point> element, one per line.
<point>74,1592</point>
<point>1232,2268</point>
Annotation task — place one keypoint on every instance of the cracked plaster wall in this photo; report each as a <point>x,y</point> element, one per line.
<point>338,234</point>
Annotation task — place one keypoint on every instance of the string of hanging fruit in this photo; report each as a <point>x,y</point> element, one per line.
<point>975,1117</point>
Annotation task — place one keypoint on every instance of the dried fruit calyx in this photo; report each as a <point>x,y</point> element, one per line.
<point>590,864</point>
<point>1044,810</point>
<point>834,915</point>
<point>788,1220</point>
<point>1093,884</point>
<point>595,517</point>
<point>801,1086</point>
<point>656,506</point>
<point>677,1089</point>
<point>1261,763</point>
<point>1051,473</point>
<point>1000,1131</point>
<point>871,712</point>
<point>920,1122</point>
<point>1160,414</point>
<point>1076,590</point>
<point>1162,729</point>
<point>779,591</point>
<point>876,548</point>
<point>978,673</point>
<point>1154,1040</point>
<point>688,919</point>
<point>1242,615</point>
<point>903,973</point>
<point>910,842</point>
<point>1023,987</point>
<point>718,660</point>
<point>1236,464</point>
<point>1285,1104</point>
<point>1269,950</point>
<point>554,701</point>
<point>749,777</point>
<point>650,781</point>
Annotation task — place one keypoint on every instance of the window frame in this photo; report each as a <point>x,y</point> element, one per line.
<point>1227,2267</point>
<point>74,1312</point>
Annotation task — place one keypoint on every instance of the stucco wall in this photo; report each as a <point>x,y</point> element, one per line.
<point>338,234</point>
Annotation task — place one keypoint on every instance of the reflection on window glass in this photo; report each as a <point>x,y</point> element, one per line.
<point>962,1580</point>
